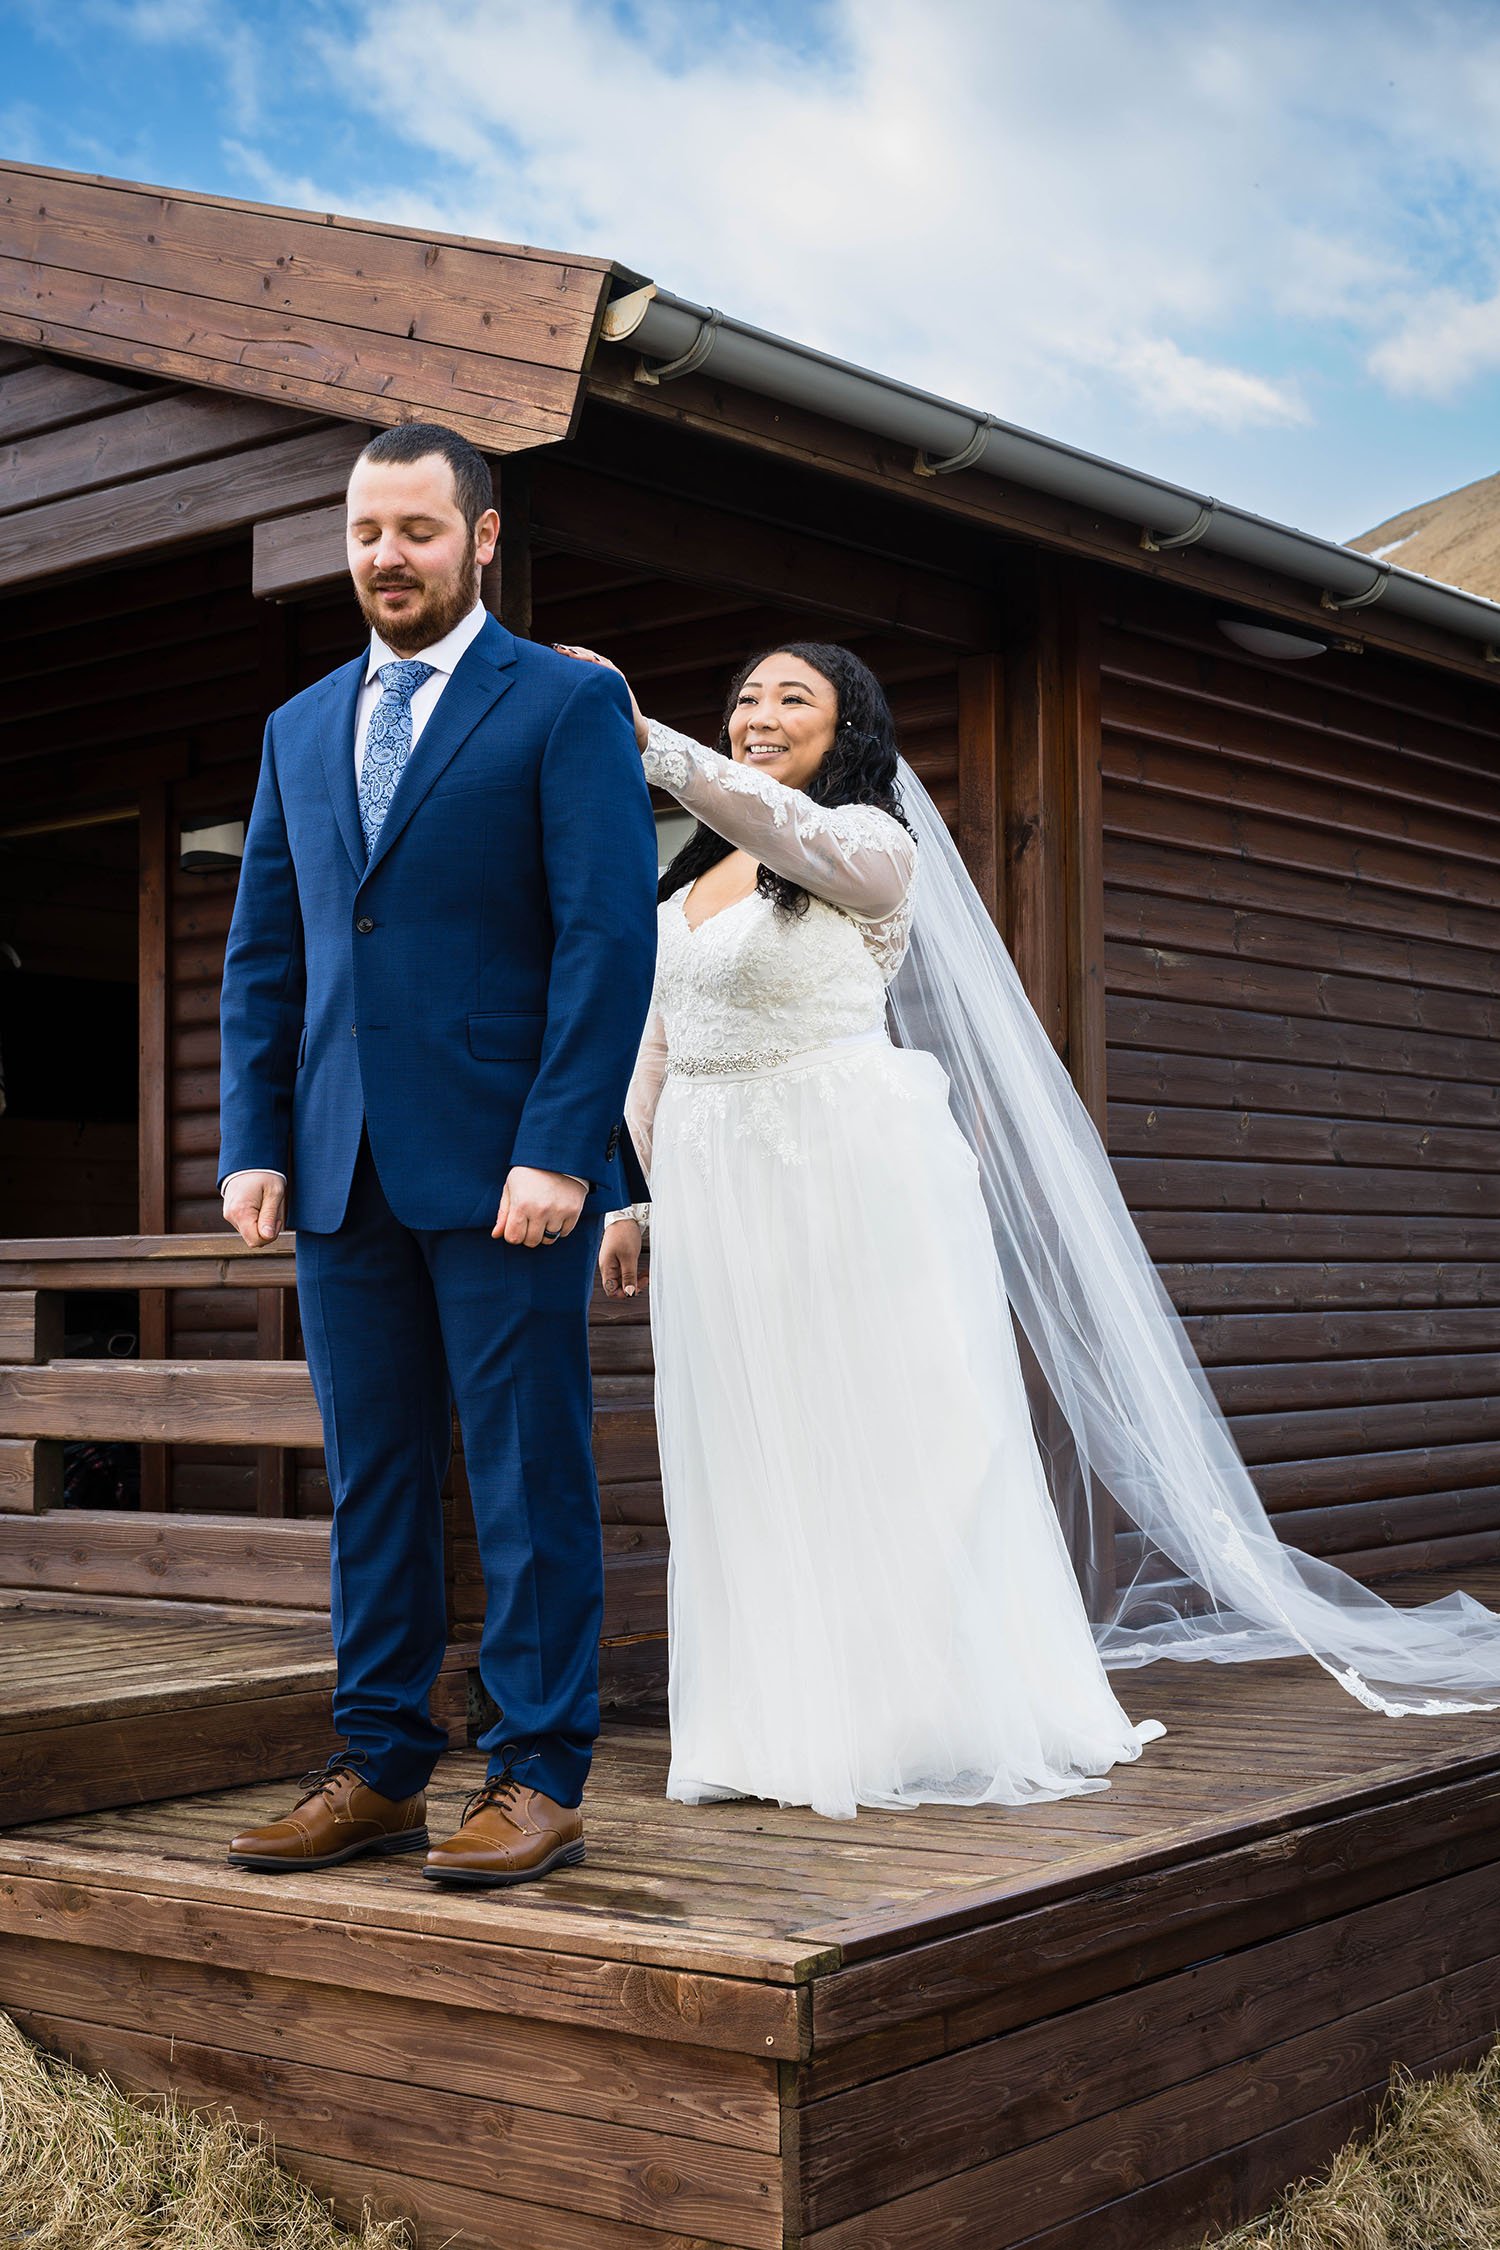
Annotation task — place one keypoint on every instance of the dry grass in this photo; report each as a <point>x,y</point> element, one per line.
<point>83,2168</point>
<point>1426,2178</point>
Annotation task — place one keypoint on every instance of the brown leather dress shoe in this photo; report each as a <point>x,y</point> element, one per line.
<point>510,1834</point>
<point>339,1818</point>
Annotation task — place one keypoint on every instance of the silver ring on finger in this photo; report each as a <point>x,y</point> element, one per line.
<point>552,1234</point>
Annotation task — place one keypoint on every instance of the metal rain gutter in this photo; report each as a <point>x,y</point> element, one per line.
<point>675,337</point>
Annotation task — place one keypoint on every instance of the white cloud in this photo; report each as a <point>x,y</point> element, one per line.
<point>1444,343</point>
<point>1174,383</point>
<point>210,25</point>
<point>1042,206</point>
<point>23,133</point>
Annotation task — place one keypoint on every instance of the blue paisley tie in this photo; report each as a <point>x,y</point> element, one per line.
<point>388,743</point>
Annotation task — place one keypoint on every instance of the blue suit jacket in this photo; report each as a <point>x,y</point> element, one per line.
<point>475,991</point>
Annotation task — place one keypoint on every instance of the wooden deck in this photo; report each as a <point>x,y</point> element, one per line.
<point>123,1707</point>
<point>1108,2023</point>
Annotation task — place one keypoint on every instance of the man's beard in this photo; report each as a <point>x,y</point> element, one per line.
<point>444,603</point>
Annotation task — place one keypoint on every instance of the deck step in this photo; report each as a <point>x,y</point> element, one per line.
<point>118,1709</point>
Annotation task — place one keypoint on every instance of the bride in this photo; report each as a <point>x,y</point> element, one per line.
<point>871,1598</point>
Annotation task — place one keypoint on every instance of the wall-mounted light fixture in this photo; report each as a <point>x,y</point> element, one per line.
<point>1269,640</point>
<point>220,846</point>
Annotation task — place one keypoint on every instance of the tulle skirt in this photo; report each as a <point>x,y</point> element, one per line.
<point>870,1598</point>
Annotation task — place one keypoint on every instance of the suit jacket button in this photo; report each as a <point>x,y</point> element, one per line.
<point>364,925</point>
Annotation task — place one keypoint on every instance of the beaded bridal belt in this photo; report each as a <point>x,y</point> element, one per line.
<point>759,1062</point>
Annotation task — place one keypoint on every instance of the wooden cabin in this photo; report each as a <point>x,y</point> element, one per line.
<point>1234,797</point>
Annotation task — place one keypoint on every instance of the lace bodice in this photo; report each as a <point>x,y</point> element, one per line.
<point>751,986</point>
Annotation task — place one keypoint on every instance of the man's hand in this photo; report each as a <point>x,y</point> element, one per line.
<point>537,1208</point>
<point>254,1205</point>
<point>620,1259</point>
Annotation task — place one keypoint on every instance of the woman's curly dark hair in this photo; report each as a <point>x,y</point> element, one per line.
<point>859,767</point>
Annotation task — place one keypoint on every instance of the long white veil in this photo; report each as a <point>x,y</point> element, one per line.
<point>1197,1570</point>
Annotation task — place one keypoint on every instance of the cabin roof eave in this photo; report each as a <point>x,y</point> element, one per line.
<point>351,318</point>
<point>674,340</point>
<point>374,324</point>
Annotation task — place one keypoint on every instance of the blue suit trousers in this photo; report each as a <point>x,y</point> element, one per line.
<point>401,1324</point>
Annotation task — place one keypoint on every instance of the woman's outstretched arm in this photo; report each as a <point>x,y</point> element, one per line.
<point>855,856</point>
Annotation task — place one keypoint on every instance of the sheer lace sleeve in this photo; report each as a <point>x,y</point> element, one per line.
<point>855,856</point>
<point>645,1087</point>
<point>640,1104</point>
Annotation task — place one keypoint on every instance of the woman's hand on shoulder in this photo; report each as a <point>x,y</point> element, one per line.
<point>592,656</point>
<point>620,1259</point>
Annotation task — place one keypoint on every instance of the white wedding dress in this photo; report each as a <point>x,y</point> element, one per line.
<point>871,1602</point>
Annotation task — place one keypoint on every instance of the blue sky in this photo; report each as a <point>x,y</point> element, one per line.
<point>1253,245</point>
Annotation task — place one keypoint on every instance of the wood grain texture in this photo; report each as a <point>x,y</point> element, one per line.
<point>201,501</point>
<point>375,324</point>
<point>30,1475</point>
<point>985,2027</point>
<point>162,1401</point>
<point>972,498</point>
<point>642,2175</point>
<point>36,395</point>
<point>586,512</point>
<point>1302,922</point>
<point>30,1325</point>
<point>981,816</point>
<point>293,554</point>
<point>134,441</point>
<point>161,1261</point>
<point>570,2069</point>
<point>153,1091</point>
<point>967,2107</point>
<point>203,1558</point>
<point>1064,2177</point>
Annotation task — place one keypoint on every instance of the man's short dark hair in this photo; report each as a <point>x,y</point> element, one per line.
<point>418,441</point>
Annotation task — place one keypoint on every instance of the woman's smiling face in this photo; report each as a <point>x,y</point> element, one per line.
<point>784,719</point>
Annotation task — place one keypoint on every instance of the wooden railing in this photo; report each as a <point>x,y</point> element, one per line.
<point>272,1560</point>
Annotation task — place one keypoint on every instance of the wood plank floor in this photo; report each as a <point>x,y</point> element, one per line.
<point>1111,2022</point>
<point>753,1889</point>
<point>122,1707</point>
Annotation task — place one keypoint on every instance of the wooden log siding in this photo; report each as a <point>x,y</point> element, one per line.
<point>200,499</point>
<point>1302,932</point>
<point>341,316</point>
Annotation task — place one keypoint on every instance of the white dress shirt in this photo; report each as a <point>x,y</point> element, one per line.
<point>443,656</point>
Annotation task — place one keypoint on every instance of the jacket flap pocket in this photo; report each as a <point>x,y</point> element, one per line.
<point>507,1038</point>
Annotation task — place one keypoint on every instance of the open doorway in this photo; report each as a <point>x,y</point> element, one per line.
<point>69,976</point>
<point>69,971</point>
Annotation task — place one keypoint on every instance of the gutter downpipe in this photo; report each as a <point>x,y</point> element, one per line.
<point>675,337</point>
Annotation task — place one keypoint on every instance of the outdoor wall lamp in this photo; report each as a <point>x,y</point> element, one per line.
<point>204,848</point>
<point>1269,640</point>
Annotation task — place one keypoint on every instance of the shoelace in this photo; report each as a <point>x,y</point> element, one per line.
<point>320,1780</point>
<point>500,1789</point>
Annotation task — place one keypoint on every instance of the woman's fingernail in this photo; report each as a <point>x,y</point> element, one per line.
<point>630,1291</point>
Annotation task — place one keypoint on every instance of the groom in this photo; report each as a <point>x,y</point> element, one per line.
<point>437,976</point>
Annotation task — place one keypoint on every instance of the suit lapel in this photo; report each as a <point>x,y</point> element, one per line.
<point>483,674</point>
<point>336,743</point>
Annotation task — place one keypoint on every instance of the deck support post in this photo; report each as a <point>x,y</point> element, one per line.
<point>1052,875</point>
<point>31,1333</point>
<point>1050,880</point>
<point>506,585</point>
<point>981,761</point>
<point>155,1034</point>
